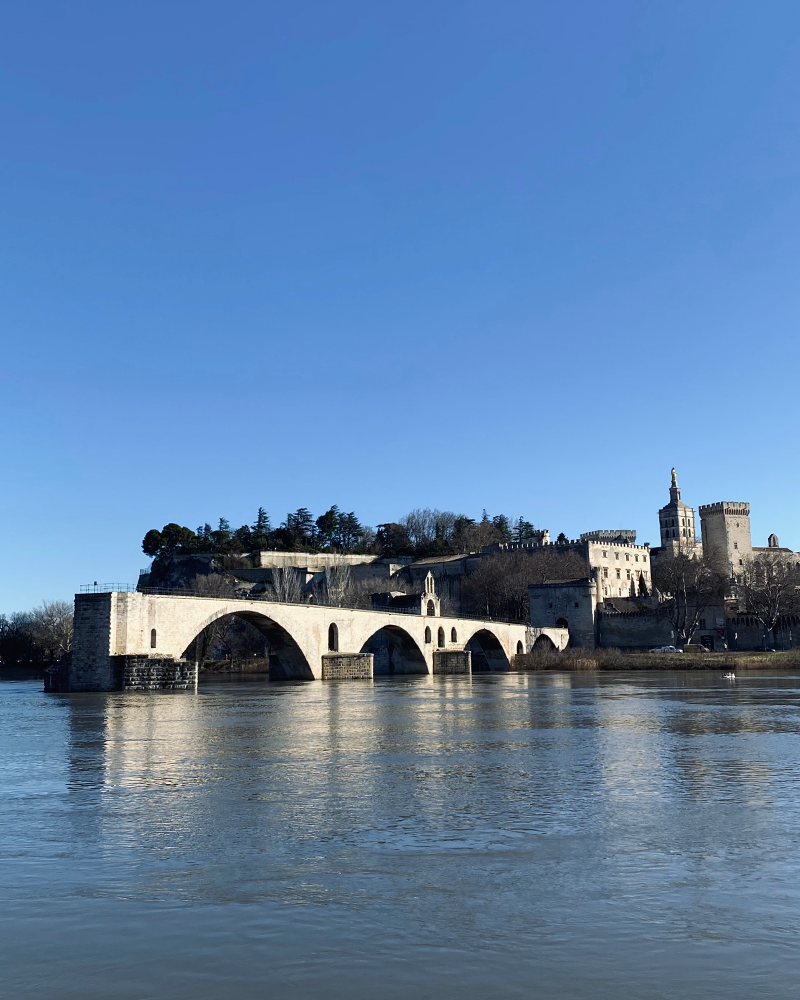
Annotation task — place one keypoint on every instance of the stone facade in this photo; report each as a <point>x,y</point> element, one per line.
<point>726,536</point>
<point>622,569</point>
<point>570,605</point>
<point>452,661</point>
<point>346,666</point>
<point>143,673</point>
<point>641,630</point>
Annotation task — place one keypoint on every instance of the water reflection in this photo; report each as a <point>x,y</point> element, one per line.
<point>465,836</point>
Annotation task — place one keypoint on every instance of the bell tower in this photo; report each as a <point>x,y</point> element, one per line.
<point>676,522</point>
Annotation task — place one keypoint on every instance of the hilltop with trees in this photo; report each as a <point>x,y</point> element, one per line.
<point>421,533</point>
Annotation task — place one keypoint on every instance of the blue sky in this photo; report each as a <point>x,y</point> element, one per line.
<point>515,256</point>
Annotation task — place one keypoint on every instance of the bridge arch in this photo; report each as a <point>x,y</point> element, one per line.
<point>287,660</point>
<point>394,651</point>
<point>487,652</point>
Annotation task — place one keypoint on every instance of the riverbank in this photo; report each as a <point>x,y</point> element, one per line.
<point>615,659</point>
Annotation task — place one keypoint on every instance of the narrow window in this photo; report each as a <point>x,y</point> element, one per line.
<point>627,557</point>
<point>333,638</point>
<point>152,638</point>
<point>618,572</point>
<point>431,609</point>
<point>427,634</point>
<point>453,635</point>
<point>629,573</point>
<point>736,545</point>
<point>440,638</point>
<point>519,649</point>
<point>605,571</point>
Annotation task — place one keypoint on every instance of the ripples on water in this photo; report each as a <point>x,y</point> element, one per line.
<point>511,835</point>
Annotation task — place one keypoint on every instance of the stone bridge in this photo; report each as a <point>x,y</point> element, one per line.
<point>137,640</point>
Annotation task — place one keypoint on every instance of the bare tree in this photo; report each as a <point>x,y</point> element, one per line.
<point>51,628</point>
<point>213,585</point>
<point>686,587</point>
<point>769,587</point>
<point>338,584</point>
<point>286,586</point>
<point>498,586</point>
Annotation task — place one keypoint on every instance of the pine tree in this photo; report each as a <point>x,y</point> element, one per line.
<point>261,528</point>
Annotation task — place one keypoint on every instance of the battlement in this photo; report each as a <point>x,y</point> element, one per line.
<point>620,536</point>
<point>725,508</point>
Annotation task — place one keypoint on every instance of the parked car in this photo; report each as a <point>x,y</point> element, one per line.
<point>666,649</point>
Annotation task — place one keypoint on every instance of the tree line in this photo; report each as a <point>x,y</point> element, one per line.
<point>423,532</point>
<point>43,635</point>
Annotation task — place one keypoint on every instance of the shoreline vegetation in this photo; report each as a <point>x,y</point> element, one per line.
<point>596,660</point>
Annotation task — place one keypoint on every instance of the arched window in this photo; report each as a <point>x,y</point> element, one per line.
<point>440,637</point>
<point>333,638</point>
<point>519,648</point>
<point>427,634</point>
<point>152,638</point>
<point>561,623</point>
<point>431,609</point>
<point>453,635</point>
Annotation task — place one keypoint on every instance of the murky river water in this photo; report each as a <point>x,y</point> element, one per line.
<point>554,836</point>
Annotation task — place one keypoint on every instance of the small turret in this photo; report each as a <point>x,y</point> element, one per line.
<point>674,490</point>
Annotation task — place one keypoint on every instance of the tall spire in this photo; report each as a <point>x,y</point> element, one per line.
<point>674,490</point>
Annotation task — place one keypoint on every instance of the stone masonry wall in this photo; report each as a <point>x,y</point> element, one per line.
<point>143,673</point>
<point>91,665</point>
<point>346,666</point>
<point>633,631</point>
<point>452,661</point>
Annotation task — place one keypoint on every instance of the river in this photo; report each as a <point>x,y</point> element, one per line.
<point>518,835</point>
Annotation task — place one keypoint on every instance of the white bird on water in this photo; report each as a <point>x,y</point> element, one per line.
<point>729,676</point>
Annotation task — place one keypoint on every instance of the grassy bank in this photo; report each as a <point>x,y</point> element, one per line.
<point>616,659</point>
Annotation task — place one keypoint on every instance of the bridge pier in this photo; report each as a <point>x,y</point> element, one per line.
<point>347,666</point>
<point>452,661</point>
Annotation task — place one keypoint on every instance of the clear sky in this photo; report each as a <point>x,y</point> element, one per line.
<point>514,255</point>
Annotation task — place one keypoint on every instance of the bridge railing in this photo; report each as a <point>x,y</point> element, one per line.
<point>127,588</point>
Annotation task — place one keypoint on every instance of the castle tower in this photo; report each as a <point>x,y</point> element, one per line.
<point>726,535</point>
<point>676,522</point>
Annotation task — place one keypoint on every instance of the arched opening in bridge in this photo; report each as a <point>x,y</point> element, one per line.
<point>431,609</point>
<point>394,652</point>
<point>152,638</point>
<point>247,636</point>
<point>333,638</point>
<point>520,648</point>
<point>453,635</point>
<point>440,638</point>
<point>487,652</point>
<point>562,623</point>
<point>427,634</point>
<point>544,644</point>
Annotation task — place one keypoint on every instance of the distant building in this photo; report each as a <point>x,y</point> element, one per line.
<point>677,525</point>
<point>726,536</point>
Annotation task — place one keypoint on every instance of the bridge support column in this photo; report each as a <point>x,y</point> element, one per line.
<point>151,673</point>
<point>346,666</point>
<point>452,661</point>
